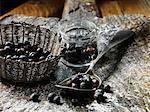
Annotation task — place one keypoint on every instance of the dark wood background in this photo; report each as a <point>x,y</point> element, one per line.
<point>46,8</point>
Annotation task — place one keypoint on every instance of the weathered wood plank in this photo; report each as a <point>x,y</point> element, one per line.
<point>135,6</point>
<point>109,7</point>
<point>44,8</point>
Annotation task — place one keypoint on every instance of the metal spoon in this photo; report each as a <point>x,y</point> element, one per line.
<point>118,38</point>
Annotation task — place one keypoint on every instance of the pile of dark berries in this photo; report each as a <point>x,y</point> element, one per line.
<point>24,52</point>
<point>85,81</point>
<point>80,55</point>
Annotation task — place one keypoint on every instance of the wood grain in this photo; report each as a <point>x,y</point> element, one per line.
<point>109,7</point>
<point>135,6</point>
<point>44,8</point>
<point>122,7</point>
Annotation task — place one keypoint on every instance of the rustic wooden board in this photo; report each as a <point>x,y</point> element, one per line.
<point>109,7</point>
<point>122,7</point>
<point>47,8</point>
<point>44,8</point>
<point>135,6</point>
<point>130,82</point>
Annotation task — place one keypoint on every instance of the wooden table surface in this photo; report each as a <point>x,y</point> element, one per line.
<point>130,82</point>
<point>46,8</point>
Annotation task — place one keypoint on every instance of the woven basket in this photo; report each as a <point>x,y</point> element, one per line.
<point>21,71</point>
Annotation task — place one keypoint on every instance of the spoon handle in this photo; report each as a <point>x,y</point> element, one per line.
<point>118,38</point>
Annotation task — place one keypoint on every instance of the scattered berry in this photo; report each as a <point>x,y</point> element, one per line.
<point>57,100</point>
<point>51,97</point>
<point>99,96</point>
<point>75,102</point>
<point>101,99</point>
<point>54,98</point>
<point>35,97</point>
<point>107,89</point>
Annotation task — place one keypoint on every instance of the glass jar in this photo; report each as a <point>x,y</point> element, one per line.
<point>79,42</point>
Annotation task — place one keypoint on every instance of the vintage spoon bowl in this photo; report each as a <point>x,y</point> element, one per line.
<point>63,84</point>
